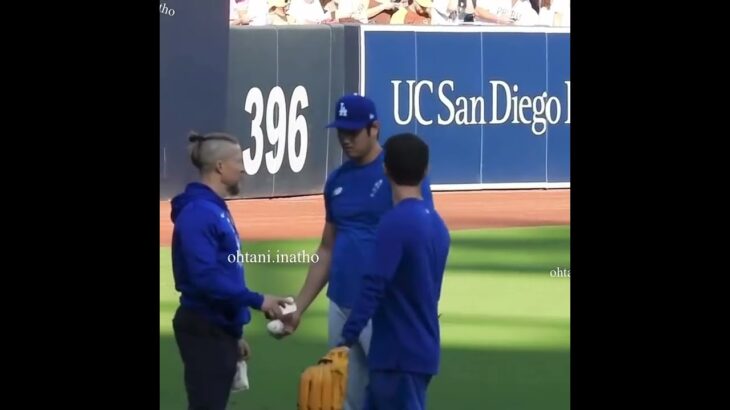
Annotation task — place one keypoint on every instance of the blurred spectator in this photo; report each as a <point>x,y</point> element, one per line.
<point>436,12</point>
<point>351,11</point>
<point>361,10</point>
<point>546,13</point>
<point>470,7</point>
<point>306,12</point>
<point>330,8</point>
<point>523,14</point>
<point>441,9</point>
<point>258,12</point>
<point>278,12</point>
<point>237,17</point>
<point>557,13</point>
<point>384,12</point>
<point>248,12</point>
<point>517,12</point>
<point>418,12</point>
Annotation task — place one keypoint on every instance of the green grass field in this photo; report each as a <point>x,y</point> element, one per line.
<point>505,326</point>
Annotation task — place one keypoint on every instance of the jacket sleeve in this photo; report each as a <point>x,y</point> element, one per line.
<point>199,251</point>
<point>389,251</point>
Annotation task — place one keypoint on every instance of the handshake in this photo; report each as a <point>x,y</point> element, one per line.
<point>282,314</point>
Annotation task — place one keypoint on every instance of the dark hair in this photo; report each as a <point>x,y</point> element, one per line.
<point>536,5</point>
<point>406,159</point>
<point>196,144</point>
<point>370,127</point>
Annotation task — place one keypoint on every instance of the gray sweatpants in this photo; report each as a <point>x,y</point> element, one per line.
<point>357,378</point>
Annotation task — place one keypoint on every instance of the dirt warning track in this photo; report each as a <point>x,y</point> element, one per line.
<point>303,217</point>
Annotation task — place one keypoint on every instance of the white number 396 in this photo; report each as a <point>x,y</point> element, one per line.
<point>283,139</point>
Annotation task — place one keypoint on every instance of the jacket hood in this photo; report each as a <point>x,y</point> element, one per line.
<point>193,192</point>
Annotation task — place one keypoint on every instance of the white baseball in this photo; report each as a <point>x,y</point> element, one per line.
<point>275,327</point>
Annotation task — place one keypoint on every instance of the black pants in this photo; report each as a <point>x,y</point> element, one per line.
<point>209,357</point>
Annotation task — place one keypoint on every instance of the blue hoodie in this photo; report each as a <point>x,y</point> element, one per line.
<point>205,260</point>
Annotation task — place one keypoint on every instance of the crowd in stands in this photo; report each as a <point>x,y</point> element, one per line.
<point>547,13</point>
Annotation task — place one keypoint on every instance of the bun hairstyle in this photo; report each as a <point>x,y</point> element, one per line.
<point>197,141</point>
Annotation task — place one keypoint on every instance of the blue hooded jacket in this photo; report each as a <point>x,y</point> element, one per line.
<point>206,264</point>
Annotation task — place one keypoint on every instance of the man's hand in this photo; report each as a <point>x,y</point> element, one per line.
<point>291,323</point>
<point>273,304</point>
<point>278,312</point>
<point>245,350</point>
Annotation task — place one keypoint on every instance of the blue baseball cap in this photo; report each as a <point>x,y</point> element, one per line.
<point>353,113</point>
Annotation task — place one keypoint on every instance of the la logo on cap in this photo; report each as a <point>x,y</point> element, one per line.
<point>343,110</point>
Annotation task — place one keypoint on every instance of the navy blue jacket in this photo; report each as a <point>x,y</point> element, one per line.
<point>206,264</point>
